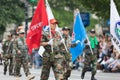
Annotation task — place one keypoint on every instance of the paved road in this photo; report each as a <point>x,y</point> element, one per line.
<point>74,76</point>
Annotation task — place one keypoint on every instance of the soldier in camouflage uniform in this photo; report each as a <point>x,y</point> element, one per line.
<point>90,59</point>
<point>7,55</point>
<point>55,59</point>
<point>15,37</point>
<point>20,56</point>
<point>67,41</point>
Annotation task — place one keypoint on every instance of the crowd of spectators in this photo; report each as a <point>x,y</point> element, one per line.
<point>108,58</point>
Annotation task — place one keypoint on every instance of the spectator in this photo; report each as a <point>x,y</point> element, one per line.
<point>113,66</point>
<point>37,59</point>
<point>102,47</point>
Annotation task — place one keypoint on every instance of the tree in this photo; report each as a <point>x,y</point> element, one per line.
<point>11,11</point>
<point>99,7</point>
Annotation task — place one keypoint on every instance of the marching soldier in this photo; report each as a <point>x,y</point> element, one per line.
<point>20,56</point>
<point>67,41</point>
<point>53,57</point>
<point>15,37</point>
<point>7,55</point>
<point>90,61</point>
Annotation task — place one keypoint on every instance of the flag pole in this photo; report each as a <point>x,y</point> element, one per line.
<point>49,26</point>
<point>63,41</point>
<point>51,38</point>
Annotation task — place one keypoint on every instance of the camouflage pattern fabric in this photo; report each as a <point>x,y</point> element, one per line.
<point>67,65</point>
<point>90,62</point>
<point>7,56</point>
<point>20,58</point>
<point>55,59</point>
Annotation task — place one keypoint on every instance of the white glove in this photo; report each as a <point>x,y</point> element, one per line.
<point>77,41</point>
<point>62,41</point>
<point>50,42</point>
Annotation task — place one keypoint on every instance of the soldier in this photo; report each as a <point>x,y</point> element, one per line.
<point>15,37</point>
<point>53,57</point>
<point>20,56</point>
<point>7,55</point>
<point>90,61</point>
<point>67,41</point>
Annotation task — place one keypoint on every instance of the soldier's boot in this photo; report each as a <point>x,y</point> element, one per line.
<point>82,75</point>
<point>93,77</point>
<point>5,70</point>
<point>4,73</point>
<point>17,78</point>
<point>30,77</point>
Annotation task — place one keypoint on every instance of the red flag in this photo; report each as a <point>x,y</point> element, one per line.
<point>39,20</point>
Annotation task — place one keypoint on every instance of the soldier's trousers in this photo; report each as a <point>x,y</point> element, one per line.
<point>56,62</point>
<point>67,70</point>
<point>90,63</point>
<point>8,61</point>
<point>20,60</point>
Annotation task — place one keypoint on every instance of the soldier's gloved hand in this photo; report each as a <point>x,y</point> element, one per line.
<point>62,41</point>
<point>50,42</point>
<point>77,41</point>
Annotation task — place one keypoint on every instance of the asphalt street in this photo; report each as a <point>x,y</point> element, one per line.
<point>74,76</point>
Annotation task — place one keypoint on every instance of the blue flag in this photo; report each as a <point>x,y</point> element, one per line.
<point>79,35</point>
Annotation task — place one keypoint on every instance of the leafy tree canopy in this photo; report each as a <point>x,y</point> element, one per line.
<point>11,11</point>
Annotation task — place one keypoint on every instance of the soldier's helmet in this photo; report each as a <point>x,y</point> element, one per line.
<point>21,31</point>
<point>65,28</point>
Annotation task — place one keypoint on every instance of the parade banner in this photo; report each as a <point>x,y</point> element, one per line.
<point>78,37</point>
<point>115,26</point>
<point>39,20</point>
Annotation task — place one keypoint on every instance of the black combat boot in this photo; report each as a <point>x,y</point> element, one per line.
<point>82,75</point>
<point>93,78</point>
<point>4,73</point>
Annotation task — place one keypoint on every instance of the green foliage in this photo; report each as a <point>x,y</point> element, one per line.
<point>64,17</point>
<point>11,11</point>
<point>99,7</point>
<point>2,29</point>
<point>32,1</point>
<point>92,24</point>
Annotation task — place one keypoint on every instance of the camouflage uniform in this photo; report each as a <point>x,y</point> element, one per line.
<point>20,58</point>
<point>7,55</point>
<point>14,52</point>
<point>90,61</point>
<point>55,59</point>
<point>68,67</point>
